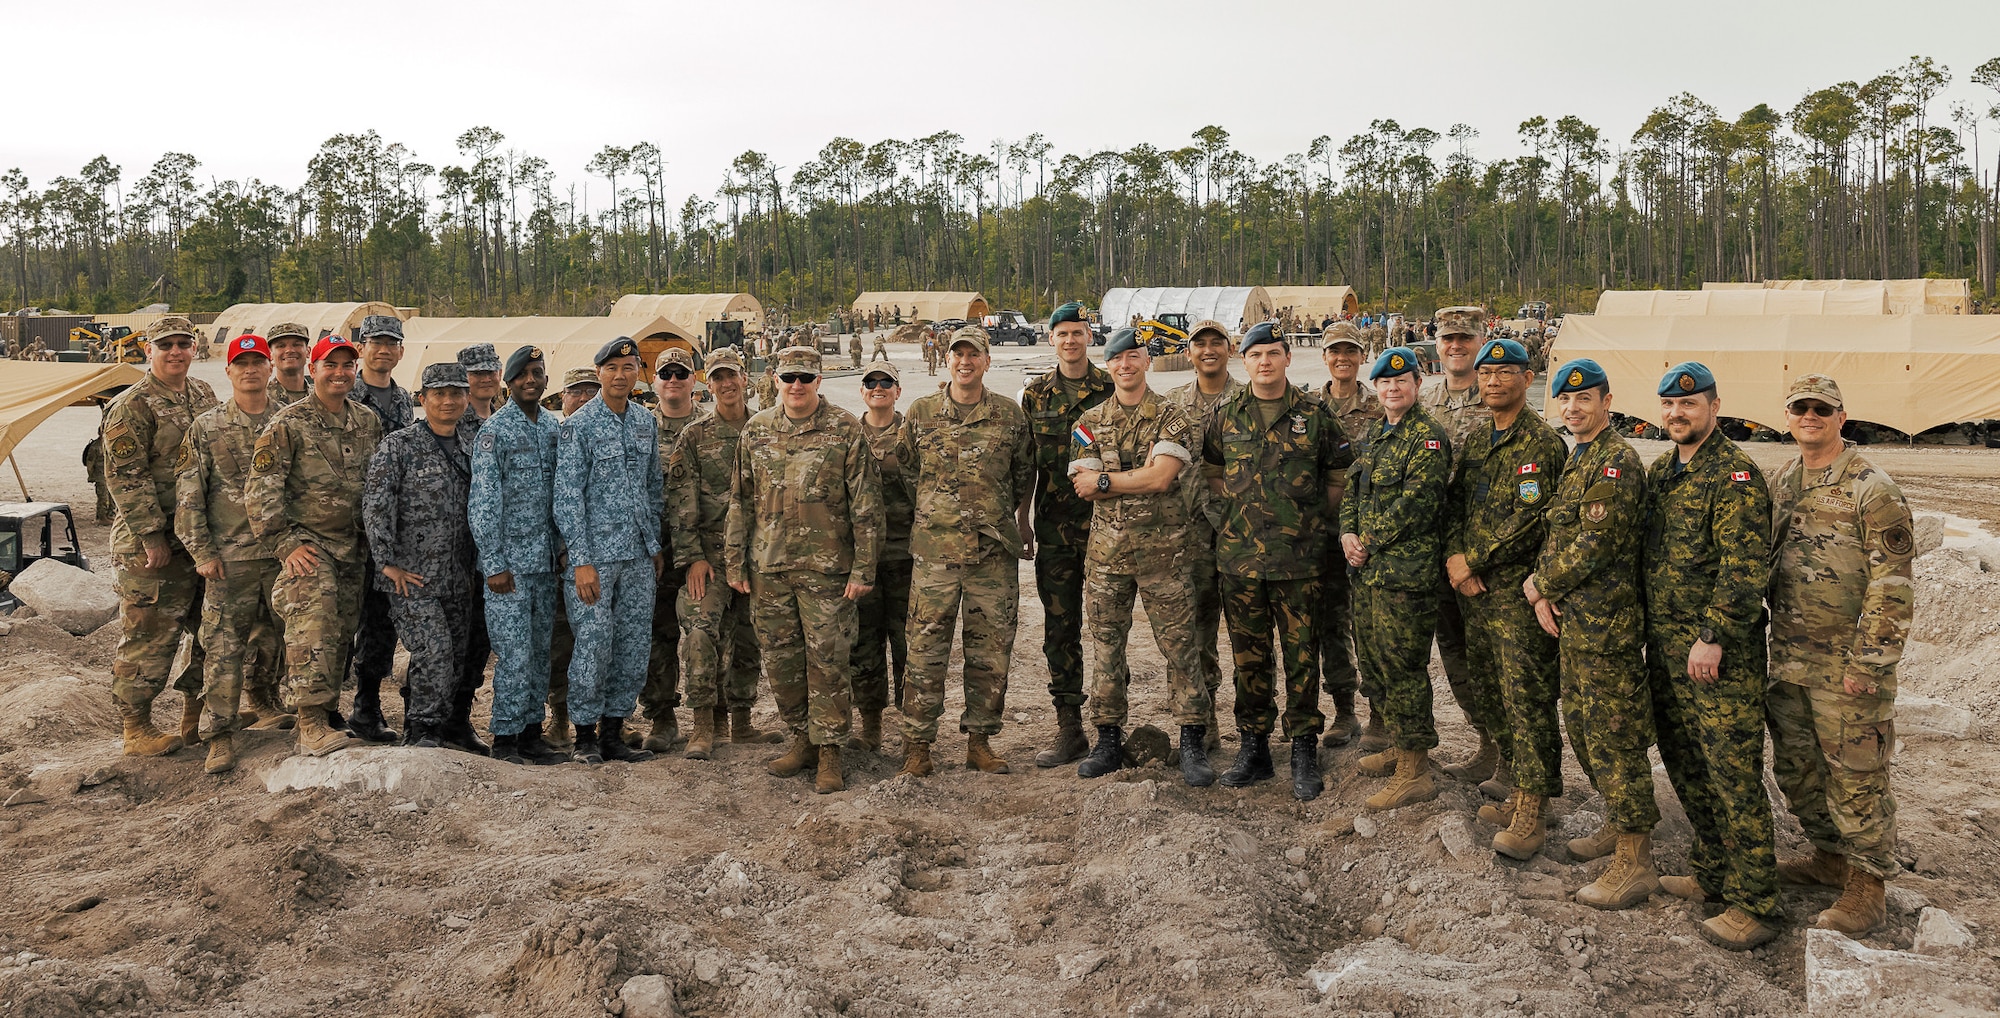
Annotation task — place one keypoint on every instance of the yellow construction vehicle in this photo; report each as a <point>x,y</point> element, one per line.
<point>115,345</point>
<point>1165,335</point>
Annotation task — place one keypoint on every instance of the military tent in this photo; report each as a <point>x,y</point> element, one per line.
<point>694,310</point>
<point>1908,372</point>
<point>1742,301</point>
<point>322,319</point>
<point>1236,307</point>
<point>1315,303</point>
<point>928,305</point>
<point>1896,296</point>
<point>566,342</point>
<point>30,391</point>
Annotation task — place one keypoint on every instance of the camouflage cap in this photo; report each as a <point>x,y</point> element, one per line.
<point>444,375</point>
<point>479,357</point>
<point>673,356</point>
<point>289,330</point>
<point>388,326</point>
<point>1813,385</point>
<point>1461,321</point>
<point>172,325</point>
<point>884,368</point>
<point>724,359</point>
<point>798,358</point>
<point>1342,331</point>
<point>580,376</point>
<point>974,335</point>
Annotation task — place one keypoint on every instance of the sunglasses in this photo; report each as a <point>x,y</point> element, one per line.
<point>1810,408</point>
<point>174,344</point>
<point>676,374</point>
<point>797,378</point>
<point>879,383</point>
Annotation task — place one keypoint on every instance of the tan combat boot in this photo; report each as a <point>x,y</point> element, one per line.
<point>740,729</point>
<point>1821,867</point>
<point>979,755</point>
<point>1524,834</point>
<point>1501,785</point>
<point>221,753</point>
<point>795,759</point>
<point>1861,906</point>
<point>559,733</point>
<point>1375,736</point>
<point>1499,814</point>
<point>665,732</point>
<point>1630,878</point>
<point>190,720</point>
<point>264,714</point>
<point>828,779</point>
<point>1735,930</point>
<point>916,759</point>
<point>870,736</point>
<point>141,738</point>
<point>701,745</point>
<point>1688,889</point>
<point>1378,765</point>
<point>1412,783</point>
<point>1596,846</point>
<point>1481,766</point>
<point>313,736</point>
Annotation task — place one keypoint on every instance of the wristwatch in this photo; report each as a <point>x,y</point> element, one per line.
<point>1707,636</point>
<point>1104,482</point>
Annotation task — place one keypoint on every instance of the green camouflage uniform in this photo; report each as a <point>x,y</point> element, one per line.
<point>885,611</point>
<point>1339,674</point>
<point>305,485</point>
<point>282,397</point>
<point>662,692</point>
<point>1499,496</point>
<point>1707,559</point>
<point>93,465</point>
<point>1271,546</point>
<point>974,468</point>
<point>1841,604</point>
<point>1397,509</point>
<point>1204,515</point>
<point>1062,521</point>
<point>1138,547</point>
<point>718,645</point>
<point>1589,569</point>
<point>805,521</point>
<point>142,432</point>
<point>210,520</point>
<point>1461,413</point>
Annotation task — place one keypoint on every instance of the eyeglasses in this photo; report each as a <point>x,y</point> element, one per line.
<point>879,383</point>
<point>676,374</point>
<point>173,344</point>
<point>798,378</point>
<point>1498,373</point>
<point>1811,408</point>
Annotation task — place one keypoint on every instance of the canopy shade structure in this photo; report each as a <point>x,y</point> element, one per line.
<point>1896,296</point>
<point>694,310</point>
<point>1908,372</point>
<point>30,391</point>
<point>1315,303</point>
<point>322,319</point>
<point>927,305</point>
<point>565,342</point>
<point>1237,307</point>
<point>1743,300</point>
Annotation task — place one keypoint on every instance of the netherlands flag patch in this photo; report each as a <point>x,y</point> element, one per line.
<point>1082,436</point>
<point>1611,471</point>
<point>1740,475</point>
<point>1432,443</point>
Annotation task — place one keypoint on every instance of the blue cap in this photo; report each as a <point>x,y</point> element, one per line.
<point>1070,312</point>
<point>1686,379</point>
<point>1121,341</point>
<point>1397,360</point>
<point>1578,375</point>
<point>1502,351</point>
<point>1259,334</point>
<point>623,346</point>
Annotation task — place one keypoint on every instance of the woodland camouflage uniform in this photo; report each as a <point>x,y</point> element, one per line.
<point>1062,521</point>
<point>1339,668</point>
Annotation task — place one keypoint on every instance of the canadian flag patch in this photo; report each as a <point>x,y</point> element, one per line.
<point>1611,471</point>
<point>1529,468</point>
<point>1432,443</point>
<point>1740,475</point>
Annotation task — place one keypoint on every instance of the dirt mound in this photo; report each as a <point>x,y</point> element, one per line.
<point>58,709</point>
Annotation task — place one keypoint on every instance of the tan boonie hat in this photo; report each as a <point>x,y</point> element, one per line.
<point>172,325</point>
<point>580,376</point>
<point>725,359</point>
<point>884,368</point>
<point>289,330</point>
<point>673,355</point>
<point>1461,321</point>
<point>1343,332</point>
<point>1813,385</point>
<point>798,358</point>
<point>971,334</point>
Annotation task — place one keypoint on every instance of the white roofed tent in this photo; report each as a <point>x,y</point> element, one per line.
<point>1236,307</point>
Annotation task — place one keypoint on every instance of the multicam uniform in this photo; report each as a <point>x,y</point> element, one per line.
<point>1062,521</point>
<point>211,521</point>
<point>511,510</point>
<point>662,692</point>
<point>718,643</point>
<point>1204,516</point>
<point>885,611</point>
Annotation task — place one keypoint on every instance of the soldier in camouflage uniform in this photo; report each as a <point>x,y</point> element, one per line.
<point>1062,520</point>
<point>609,476</point>
<point>1209,348</point>
<point>289,342</point>
<point>1355,406</point>
<point>511,511</point>
<point>880,650</point>
<point>674,372</point>
<point>1707,560</point>
<point>975,470</point>
<point>1841,605</point>
<point>1392,536</point>
<point>1499,498</point>
<point>854,347</point>
<point>93,467</point>
<point>579,388</point>
<point>236,568</point>
<point>767,385</point>
<point>159,592</point>
<point>1455,402</point>
<point>414,508</point>
<point>1281,462</point>
<point>375,640</point>
<point>482,375</point>
<point>803,534</point>
<point>719,654</point>
<point>304,500</point>
<point>1131,462</point>
<point>1585,591</point>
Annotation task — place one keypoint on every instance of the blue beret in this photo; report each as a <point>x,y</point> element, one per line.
<point>1397,360</point>
<point>1502,351</point>
<point>1121,341</point>
<point>623,346</point>
<point>1070,312</point>
<point>1259,334</point>
<point>519,360</point>
<point>1578,375</point>
<point>1686,379</point>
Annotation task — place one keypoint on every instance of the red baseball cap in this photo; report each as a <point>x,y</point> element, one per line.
<point>329,343</point>
<point>248,343</point>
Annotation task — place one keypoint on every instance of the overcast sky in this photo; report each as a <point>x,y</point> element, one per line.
<point>251,89</point>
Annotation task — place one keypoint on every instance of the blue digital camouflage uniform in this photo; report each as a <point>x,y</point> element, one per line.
<point>414,507</point>
<point>512,512</point>
<point>608,474</point>
<point>375,638</point>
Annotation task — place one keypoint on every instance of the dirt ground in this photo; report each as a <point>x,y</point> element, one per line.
<point>431,883</point>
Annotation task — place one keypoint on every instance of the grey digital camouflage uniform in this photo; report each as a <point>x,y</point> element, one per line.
<point>415,511</point>
<point>608,510</point>
<point>511,510</point>
<point>375,638</point>
<point>719,657</point>
<point>236,615</point>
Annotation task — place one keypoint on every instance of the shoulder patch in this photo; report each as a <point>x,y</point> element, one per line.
<point>186,459</point>
<point>1611,472</point>
<point>1740,475</point>
<point>485,441</point>
<point>1432,443</point>
<point>1531,491</point>
<point>264,460</point>
<point>1529,468</point>
<point>1898,540</point>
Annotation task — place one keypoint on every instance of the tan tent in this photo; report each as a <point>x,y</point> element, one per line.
<point>1315,303</point>
<point>566,342</point>
<point>1734,300</point>
<point>694,310</point>
<point>322,319</point>
<point>1908,372</point>
<point>929,305</point>
<point>1237,307</point>
<point>31,390</point>
<point>1895,296</point>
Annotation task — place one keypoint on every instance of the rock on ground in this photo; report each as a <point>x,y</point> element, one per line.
<point>76,599</point>
<point>1845,979</point>
<point>1928,716</point>
<point>647,997</point>
<point>421,775</point>
<point>1939,932</point>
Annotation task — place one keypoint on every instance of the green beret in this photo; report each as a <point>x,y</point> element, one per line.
<point>1121,341</point>
<point>1070,312</point>
<point>1259,334</point>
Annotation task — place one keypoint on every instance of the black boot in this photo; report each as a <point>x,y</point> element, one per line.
<point>1107,756</point>
<point>421,735</point>
<point>367,721</point>
<point>1253,762</point>
<point>612,745</point>
<point>537,749</point>
<point>333,719</point>
<point>1306,782</point>
<point>507,749</point>
<point>1195,769</point>
<point>457,732</point>
<point>586,745</point>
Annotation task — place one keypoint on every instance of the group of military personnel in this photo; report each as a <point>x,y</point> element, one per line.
<point>312,521</point>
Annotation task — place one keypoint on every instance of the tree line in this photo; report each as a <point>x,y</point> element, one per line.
<point>1856,179</point>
